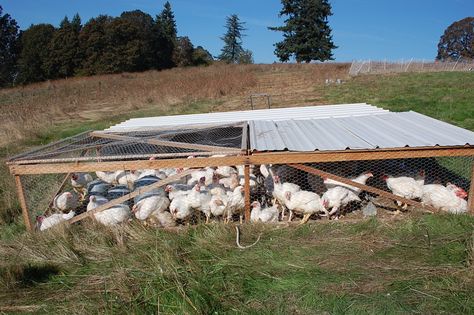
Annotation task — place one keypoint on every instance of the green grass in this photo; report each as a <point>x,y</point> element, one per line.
<point>375,267</point>
<point>445,95</point>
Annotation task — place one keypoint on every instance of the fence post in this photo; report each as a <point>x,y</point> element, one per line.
<point>247,192</point>
<point>470,205</point>
<point>24,207</point>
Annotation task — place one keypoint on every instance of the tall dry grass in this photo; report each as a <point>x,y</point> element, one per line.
<point>26,110</point>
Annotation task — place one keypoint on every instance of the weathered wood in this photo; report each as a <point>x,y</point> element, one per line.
<point>374,190</point>
<point>99,158</point>
<point>247,192</point>
<point>53,168</point>
<point>164,143</point>
<point>470,206</point>
<point>131,195</point>
<point>255,159</point>
<point>24,206</point>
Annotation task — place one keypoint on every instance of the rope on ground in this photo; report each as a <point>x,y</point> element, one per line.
<point>237,240</point>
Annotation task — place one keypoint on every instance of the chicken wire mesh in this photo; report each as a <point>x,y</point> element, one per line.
<point>278,191</point>
<point>99,146</point>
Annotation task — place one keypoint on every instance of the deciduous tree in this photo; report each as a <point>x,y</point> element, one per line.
<point>457,42</point>
<point>8,48</point>
<point>32,63</point>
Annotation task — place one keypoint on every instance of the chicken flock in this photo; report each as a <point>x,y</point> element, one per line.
<point>217,193</point>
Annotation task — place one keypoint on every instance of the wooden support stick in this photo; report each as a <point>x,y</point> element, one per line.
<point>24,206</point>
<point>131,195</point>
<point>470,206</point>
<point>247,192</point>
<point>164,143</point>
<point>374,190</point>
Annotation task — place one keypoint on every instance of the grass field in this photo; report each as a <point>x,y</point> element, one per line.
<point>408,264</point>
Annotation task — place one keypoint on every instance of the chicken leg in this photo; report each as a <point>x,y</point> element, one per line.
<point>305,218</point>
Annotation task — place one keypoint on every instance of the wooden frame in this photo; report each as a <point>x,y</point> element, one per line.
<point>256,158</point>
<point>24,207</point>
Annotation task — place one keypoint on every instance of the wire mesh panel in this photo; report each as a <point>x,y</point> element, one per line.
<point>440,183</point>
<point>277,192</point>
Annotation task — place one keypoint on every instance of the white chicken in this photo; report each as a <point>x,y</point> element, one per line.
<point>336,197</point>
<point>406,187</point>
<point>218,205</point>
<point>258,214</point>
<point>225,171</point>
<point>235,204</point>
<point>145,207</point>
<point>66,201</point>
<point>126,178</point>
<point>279,190</point>
<point>165,219</point>
<point>44,223</point>
<point>79,182</point>
<point>450,199</point>
<point>200,201</point>
<point>180,208</point>
<point>112,216</point>
<point>230,182</point>
<point>176,190</point>
<point>306,203</point>
<point>108,177</point>
<point>207,173</point>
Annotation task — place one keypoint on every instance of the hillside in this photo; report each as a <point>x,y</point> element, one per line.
<point>411,263</point>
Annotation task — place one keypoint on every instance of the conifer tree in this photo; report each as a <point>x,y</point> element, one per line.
<point>232,50</point>
<point>307,35</point>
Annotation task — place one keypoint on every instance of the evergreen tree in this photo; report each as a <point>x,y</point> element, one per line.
<point>232,49</point>
<point>32,62</point>
<point>8,48</point>
<point>457,42</point>
<point>164,38</point>
<point>64,51</point>
<point>307,35</point>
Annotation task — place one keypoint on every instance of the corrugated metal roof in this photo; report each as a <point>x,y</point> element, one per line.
<point>387,130</point>
<point>308,112</point>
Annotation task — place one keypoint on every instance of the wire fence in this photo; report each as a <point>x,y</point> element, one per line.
<point>280,191</point>
<point>359,67</point>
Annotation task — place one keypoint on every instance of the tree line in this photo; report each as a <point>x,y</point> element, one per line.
<point>133,41</point>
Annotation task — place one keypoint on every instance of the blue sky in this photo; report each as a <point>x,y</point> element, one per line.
<point>362,29</point>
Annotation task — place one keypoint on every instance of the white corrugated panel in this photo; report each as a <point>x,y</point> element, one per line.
<point>296,113</point>
<point>388,130</point>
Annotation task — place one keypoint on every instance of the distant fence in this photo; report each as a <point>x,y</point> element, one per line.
<point>375,67</point>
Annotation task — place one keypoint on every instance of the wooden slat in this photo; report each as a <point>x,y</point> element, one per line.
<point>85,167</point>
<point>374,190</point>
<point>470,206</point>
<point>164,143</point>
<point>256,159</point>
<point>24,206</point>
<point>131,195</point>
<point>247,192</point>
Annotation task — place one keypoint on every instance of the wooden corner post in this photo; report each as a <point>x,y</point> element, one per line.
<point>470,205</point>
<point>247,192</point>
<point>24,207</point>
